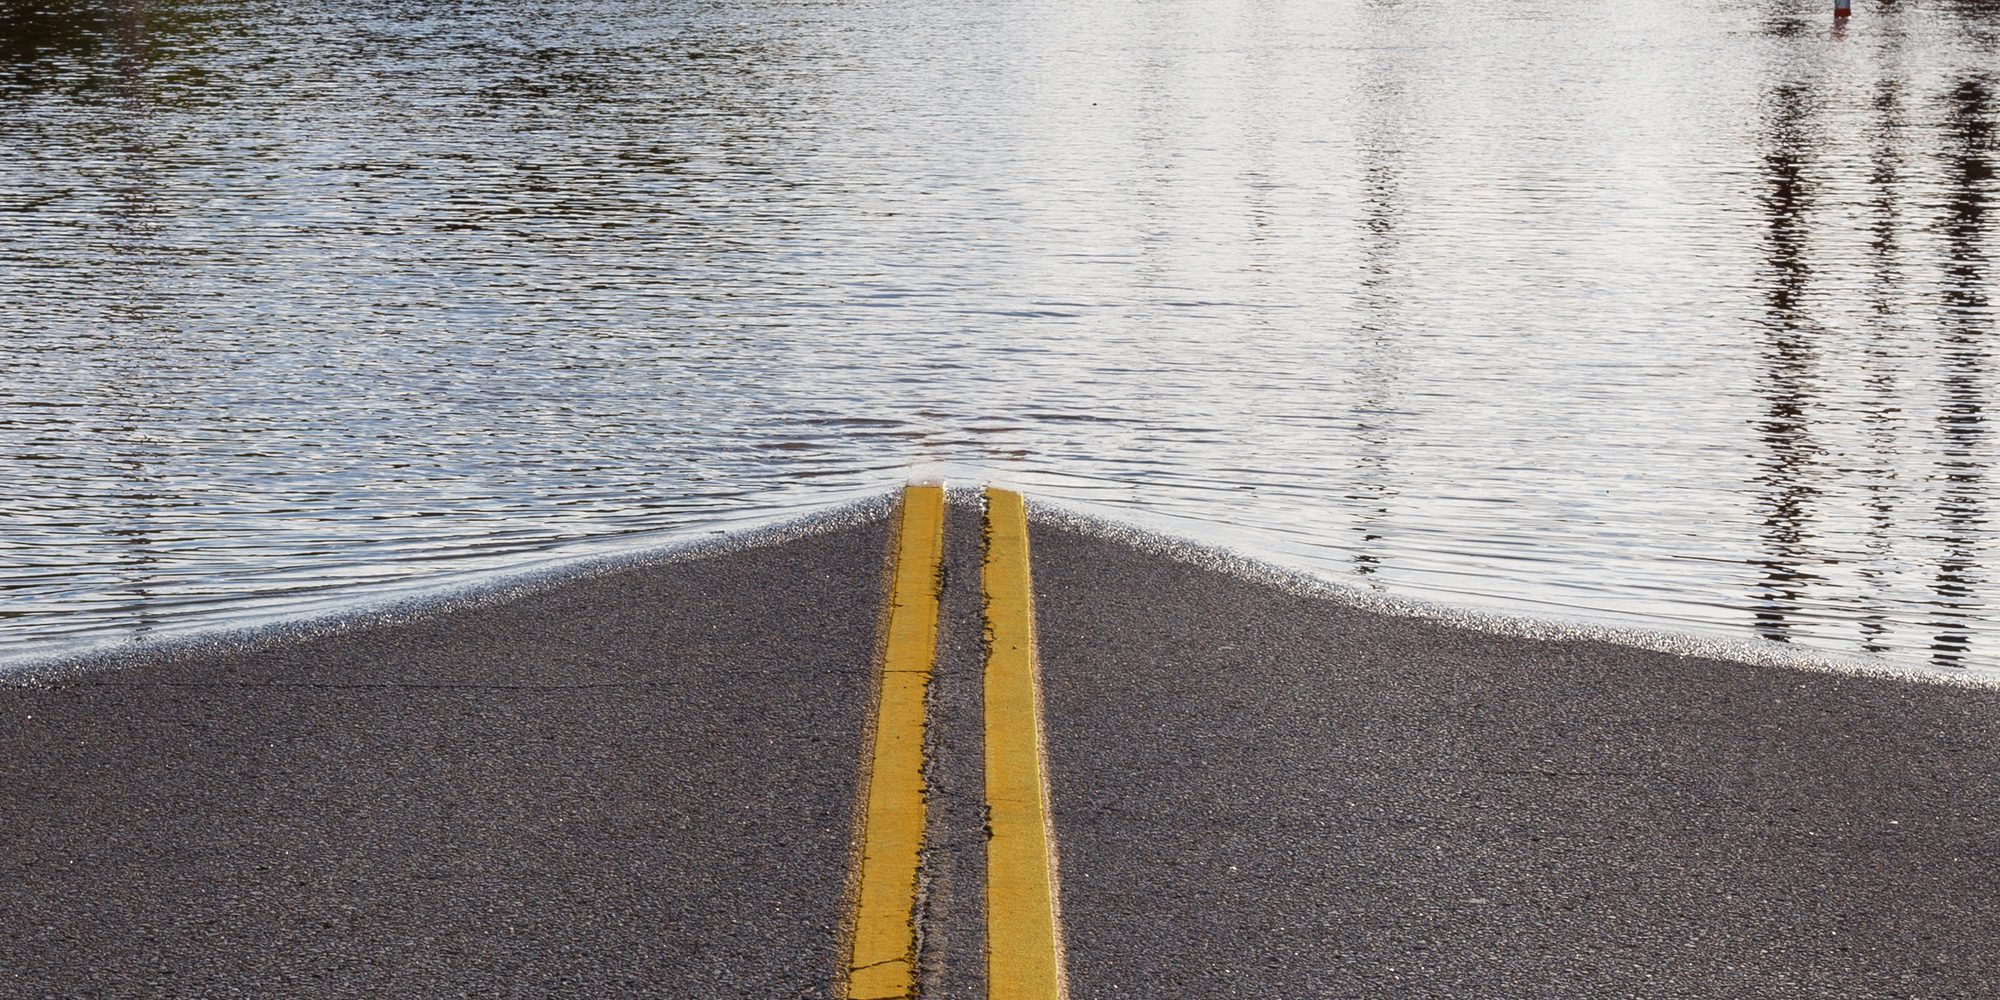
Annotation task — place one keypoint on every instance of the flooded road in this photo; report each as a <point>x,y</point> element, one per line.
<point>1676,317</point>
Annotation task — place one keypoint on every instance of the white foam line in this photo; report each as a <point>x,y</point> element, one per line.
<point>1306,583</point>
<point>497,586</point>
<point>485,588</point>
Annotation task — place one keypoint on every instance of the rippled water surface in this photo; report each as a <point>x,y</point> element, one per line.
<point>1678,316</point>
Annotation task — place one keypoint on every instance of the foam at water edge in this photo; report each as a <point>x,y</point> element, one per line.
<point>371,611</point>
<point>1752,652</point>
<point>504,585</point>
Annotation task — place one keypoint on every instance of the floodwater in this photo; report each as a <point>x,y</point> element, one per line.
<point>1674,316</point>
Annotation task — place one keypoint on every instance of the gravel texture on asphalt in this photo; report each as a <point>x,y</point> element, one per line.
<point>637,783</point>
<point>953,939</point>
<point>643,782</point>
<point>1266,794</point>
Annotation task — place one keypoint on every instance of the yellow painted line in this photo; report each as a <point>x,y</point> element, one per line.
<point>883,963</point>
<point>1024,954</point>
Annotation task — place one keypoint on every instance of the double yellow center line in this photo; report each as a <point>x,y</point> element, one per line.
<point>884,961</point>
<point>1024,958</point>
<point>1024,943</point>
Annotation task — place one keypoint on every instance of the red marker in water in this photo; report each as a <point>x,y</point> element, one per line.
<point>1841,8</point>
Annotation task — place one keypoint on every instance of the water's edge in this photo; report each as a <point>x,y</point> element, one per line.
<point>370,611</point>
<point>1305,583</point>
<point>374,610</point>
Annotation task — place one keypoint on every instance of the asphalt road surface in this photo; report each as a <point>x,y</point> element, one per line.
<point>1266,795</point>
<point>644,783</point>
<point>641,784</point>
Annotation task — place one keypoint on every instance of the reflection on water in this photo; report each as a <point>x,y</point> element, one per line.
<point>1787,496</point>
<point>1962,498</point>
<point>1677,318</point>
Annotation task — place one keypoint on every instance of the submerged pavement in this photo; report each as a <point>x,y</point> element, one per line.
<point>646,782</point>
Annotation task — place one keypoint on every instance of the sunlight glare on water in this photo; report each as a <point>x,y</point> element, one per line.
<point>1676,316</point>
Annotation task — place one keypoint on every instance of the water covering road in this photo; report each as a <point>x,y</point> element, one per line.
<point>1669,316</point>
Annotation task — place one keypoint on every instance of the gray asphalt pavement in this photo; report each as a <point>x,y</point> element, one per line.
<point>643,784</point>
<point>1266,795</point>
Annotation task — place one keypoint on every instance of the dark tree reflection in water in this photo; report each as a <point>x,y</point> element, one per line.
<point>1789,373</point>
<point>1963,497</point>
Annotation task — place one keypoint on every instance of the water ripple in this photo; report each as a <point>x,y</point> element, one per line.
<point>1657,317</point>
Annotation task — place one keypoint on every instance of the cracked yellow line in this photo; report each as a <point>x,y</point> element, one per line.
<point>883,963</point>
<point>1024,953</point>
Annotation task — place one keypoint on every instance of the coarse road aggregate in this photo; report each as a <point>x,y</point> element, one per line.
<point>640,783</point>
<point>644,782</point>
<point>1265,794</point>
